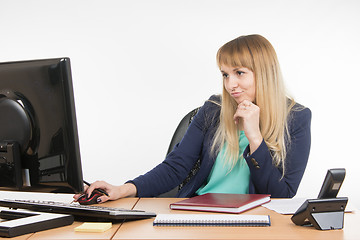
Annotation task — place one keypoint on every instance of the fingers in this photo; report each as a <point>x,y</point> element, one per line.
<point>103,199</point>
<point>76,196</point>
<point>244,109</point>
<point>98,184</point>
<point>102,187</point>
<point>113,192</point>
<point>246,104</point>
<point>249,115</point>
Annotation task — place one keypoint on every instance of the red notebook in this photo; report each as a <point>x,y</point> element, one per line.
<point>222,202</point>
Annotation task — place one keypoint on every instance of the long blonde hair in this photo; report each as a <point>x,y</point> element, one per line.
<point>257,54</point>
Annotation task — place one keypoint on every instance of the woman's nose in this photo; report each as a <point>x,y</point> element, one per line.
<point>233,83</point>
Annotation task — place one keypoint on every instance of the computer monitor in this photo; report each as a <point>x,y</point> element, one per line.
<point>39,146</point>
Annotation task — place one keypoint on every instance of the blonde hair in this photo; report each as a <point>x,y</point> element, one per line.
<point>257,54</point>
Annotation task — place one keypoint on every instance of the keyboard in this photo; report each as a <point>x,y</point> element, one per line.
<point>81,212</point>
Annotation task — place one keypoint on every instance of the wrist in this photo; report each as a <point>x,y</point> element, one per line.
<point>130,190</point>
<point>255,143</point>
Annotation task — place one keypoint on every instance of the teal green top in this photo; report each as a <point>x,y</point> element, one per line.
<point>222,180</point>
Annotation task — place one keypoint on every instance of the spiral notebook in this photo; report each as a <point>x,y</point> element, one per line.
<point>225,220</point>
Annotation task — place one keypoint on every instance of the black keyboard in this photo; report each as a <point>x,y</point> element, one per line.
<point>81,212</point>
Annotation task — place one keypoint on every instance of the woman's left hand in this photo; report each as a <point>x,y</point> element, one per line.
<point>248,114</point>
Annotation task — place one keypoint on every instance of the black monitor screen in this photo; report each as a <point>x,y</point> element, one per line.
<point>39,147</point>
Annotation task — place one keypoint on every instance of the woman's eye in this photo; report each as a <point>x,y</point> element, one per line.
<point>240,73</point>
<point>225,75</point>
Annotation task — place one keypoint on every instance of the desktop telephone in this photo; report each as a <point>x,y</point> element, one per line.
<point>327,211</point>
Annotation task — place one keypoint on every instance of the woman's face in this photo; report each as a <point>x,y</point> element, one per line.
<point>239,83</point>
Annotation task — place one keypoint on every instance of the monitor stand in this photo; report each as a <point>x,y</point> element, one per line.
<point>10,165</point>
<point>19,222</point>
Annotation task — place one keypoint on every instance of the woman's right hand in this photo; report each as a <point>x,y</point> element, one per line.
<point>114,192</point>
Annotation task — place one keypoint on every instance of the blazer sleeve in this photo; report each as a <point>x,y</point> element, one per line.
<point>265,177</point>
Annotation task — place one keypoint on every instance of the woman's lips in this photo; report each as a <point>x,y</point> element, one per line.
<point>236,94</point>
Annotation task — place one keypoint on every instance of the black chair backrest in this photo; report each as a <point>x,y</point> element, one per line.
<point>181,129</point>
<point>177,137</point>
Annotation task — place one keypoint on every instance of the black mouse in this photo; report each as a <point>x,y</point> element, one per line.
<point>84,200</point>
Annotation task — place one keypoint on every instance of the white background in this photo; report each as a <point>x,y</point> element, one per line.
<point>139,66</point>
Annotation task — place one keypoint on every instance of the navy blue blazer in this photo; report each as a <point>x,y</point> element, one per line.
<point>196,144</point>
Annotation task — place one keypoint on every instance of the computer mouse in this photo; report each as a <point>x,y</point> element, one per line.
<point>84,200</point>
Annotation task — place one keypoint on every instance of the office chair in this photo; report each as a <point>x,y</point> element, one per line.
<point>177,137</point>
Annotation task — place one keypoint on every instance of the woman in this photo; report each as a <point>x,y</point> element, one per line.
<point>252,139</point>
